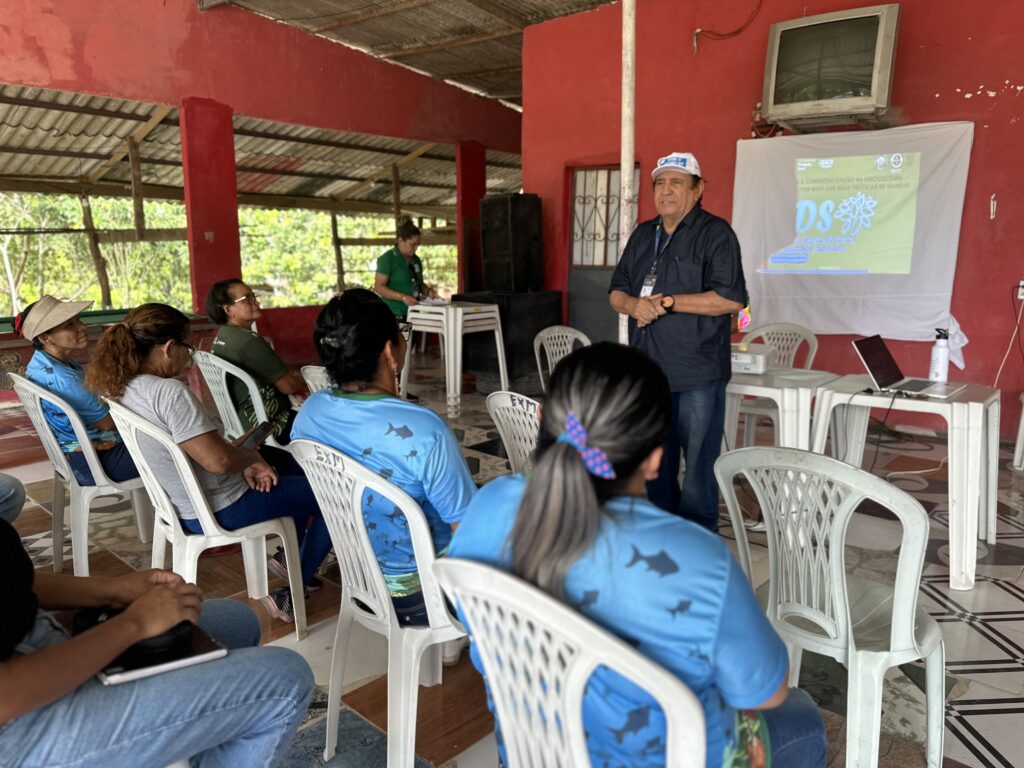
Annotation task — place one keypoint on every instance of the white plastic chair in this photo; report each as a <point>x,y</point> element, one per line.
<point>215,372</point>
<point>785,340</point>
<point>517,418</point>
<point>32,397</point>
<point>186,546</point>
<point>557,341</point>
<point>538,655</point>
<point>1018,450</point>
<point>339,482</point>
<point>316,378</point>
<point>807,501</point>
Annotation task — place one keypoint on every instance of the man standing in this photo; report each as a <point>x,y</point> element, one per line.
<point>679,280</point>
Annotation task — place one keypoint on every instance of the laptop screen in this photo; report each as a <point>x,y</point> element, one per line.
<point>879,361</point>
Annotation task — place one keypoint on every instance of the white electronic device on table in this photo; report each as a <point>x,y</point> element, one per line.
<point>886,375</point>
<point>750,358</point>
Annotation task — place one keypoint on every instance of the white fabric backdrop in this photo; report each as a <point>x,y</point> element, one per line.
<point>909,306</point>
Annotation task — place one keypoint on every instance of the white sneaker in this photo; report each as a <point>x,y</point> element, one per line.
<point>452,651</point>
<point>755,526</point>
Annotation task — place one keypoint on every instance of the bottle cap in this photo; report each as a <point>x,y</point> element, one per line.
<point>941,333</point>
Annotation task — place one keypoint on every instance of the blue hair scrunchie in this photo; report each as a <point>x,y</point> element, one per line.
<point>594,459</point>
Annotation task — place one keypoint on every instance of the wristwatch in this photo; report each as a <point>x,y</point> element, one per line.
<point>668,303</point>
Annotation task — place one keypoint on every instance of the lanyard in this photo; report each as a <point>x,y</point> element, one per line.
<point>658,250</point>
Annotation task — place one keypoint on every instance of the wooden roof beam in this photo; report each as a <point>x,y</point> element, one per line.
<point>499,12</point>
<point>138,135</point>
<point>381,172</point>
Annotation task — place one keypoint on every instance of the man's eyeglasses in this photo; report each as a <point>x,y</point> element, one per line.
<point>249,298</point>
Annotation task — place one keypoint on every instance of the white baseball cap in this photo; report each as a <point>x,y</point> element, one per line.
<point>683,162</point>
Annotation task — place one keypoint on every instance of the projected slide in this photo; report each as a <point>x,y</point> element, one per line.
<point>853,216</point>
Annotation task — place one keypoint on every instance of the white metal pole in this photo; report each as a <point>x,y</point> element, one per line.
<point>626,153</point>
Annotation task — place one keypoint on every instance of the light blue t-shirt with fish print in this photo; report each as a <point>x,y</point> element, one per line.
<point>672,590</point>
<point>408,445</point>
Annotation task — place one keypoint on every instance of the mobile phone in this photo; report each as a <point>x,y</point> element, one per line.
<point>255,438</point>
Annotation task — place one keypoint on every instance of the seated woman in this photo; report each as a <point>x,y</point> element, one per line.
<point>581,528</point>
<point>360,345</point>
<point>234,307</point>
<point>242,709</point>
<point>138,361</point>
<point>56,332</point>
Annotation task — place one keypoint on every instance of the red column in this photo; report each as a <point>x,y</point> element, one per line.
<point>470,186</point>
<point>211,194</point>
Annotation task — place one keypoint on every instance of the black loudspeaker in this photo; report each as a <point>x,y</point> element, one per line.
<point>512,249</point>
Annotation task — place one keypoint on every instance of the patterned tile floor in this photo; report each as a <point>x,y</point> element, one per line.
<point>983,628</point>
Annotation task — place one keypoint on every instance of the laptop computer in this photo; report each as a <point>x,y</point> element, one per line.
<point>886,375</point>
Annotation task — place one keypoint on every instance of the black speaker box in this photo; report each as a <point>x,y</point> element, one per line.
<point>512,248</point>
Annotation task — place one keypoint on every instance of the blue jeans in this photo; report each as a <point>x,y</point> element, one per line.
<point>797,732</point>
<point>242,710</point>
<point>291,497</point>
<point>12,497</point>
<point>698,421</point>
<point>116,462</point>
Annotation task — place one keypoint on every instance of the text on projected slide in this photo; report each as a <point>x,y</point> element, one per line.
<point>854,216</point>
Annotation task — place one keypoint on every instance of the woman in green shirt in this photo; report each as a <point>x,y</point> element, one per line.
<point>234,307</point>
<point>399,279</point>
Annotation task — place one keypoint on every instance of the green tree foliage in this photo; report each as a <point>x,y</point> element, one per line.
<point>286,254</point>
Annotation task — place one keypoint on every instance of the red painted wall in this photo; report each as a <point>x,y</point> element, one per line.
<point>291,329</point>
<point>703,104</point>
<point>163,51</point>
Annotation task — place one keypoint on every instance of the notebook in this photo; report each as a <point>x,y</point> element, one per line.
<point>886,375</point>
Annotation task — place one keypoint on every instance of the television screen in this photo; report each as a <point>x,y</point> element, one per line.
<point>831,68</point>
<point>826,61</point>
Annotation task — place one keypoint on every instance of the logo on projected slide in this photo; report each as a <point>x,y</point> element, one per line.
<point>881,161</point>
<point>896,161</point>
<point>855,212</point>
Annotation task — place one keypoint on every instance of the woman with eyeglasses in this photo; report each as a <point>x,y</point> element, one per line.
<point>234,307</point>
<point>581,528</point>
<point>411,446</point>
<point>57,333</point>
<point>139,361</point>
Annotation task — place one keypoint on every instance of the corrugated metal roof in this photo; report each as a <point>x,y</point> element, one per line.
<point>470,39</point>
<point>51,136</point>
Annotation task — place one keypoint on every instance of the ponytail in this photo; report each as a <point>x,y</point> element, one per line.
<point>607,409</point>
<point>124,346</point>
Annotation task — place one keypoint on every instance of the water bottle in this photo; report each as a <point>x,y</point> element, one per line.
<point>939,368</point>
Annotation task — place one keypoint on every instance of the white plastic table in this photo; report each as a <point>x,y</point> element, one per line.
<point>792,389</point>
<point>452,322</point>
<point>972,416</point>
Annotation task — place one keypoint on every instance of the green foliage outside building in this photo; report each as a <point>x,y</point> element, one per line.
<point>286,254</point>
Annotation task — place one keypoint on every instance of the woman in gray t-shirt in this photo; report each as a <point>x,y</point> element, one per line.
<point>138,361</point>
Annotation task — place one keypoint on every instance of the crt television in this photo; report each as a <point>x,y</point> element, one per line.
<point>831,68</point>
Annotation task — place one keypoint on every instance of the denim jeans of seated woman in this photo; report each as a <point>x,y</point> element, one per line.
<point>116,462</point>
<point>242,710</point>
<point>12,497</point>
<point>291,497</point>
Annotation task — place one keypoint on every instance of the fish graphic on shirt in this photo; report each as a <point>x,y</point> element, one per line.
<point>365,453</point>
<point>387,472</point>
<point>411,454</point>
<point>589,598</point>
<point>636,720</point>
<point>660,563</point>
<point>681,607</point>
<point>402,431</point>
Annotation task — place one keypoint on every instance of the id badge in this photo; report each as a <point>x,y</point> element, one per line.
<point>648,286</point>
